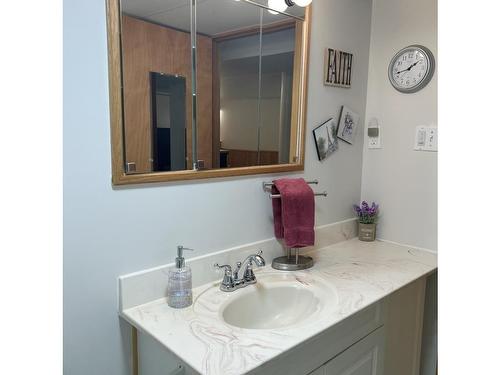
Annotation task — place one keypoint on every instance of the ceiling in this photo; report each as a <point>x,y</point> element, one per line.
<point>213,16</point>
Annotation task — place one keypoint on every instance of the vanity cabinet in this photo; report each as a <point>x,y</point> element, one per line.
<point>366,357</point>
<point>384,338</point>
<point>355,341</point>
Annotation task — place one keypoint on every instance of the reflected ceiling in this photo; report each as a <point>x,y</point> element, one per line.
<point>213,16</point>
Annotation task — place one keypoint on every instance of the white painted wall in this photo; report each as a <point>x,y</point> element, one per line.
<point>112,231</point>
<point>239,113</point>
<point>403,181</point>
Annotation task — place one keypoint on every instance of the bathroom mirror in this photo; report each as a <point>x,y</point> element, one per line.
<point>243,113</point>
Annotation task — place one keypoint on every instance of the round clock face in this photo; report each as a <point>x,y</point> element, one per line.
<point>411,69</point>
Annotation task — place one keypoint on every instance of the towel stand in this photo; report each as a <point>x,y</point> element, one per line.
<point>291,262</point>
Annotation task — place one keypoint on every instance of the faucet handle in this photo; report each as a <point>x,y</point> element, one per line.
<point>226,267</point>
<point>227,283</point>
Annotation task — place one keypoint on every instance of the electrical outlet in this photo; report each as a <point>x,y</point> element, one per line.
<point>374,142</point>
<point>373,133</point>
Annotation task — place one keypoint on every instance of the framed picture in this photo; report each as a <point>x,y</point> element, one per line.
<point>338,68</point>
<point>325,136</point>
<point>348,122</point>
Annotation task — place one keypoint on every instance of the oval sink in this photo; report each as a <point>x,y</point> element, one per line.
<point>271,306</point>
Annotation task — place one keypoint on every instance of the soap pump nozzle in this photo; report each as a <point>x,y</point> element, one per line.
<point>180,261</point>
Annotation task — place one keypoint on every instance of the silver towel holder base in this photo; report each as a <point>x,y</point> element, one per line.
<point>292,263</point>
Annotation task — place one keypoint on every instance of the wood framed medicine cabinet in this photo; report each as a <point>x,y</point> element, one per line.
<point>293,160</point>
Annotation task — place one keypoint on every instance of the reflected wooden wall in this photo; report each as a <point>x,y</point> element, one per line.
<point>248,158</point>
<point>146,48</point>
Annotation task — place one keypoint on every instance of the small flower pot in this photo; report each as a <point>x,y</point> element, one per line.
<point>367,232</point>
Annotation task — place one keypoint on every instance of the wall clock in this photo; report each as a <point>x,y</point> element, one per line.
<point>411,69</point>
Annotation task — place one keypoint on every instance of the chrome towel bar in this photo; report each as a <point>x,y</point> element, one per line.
<point>268,185</point>
<point>323,194</point>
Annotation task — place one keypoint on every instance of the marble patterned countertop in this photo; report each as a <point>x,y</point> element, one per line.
<point>361,273</point>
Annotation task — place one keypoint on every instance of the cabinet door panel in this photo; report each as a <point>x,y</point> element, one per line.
<point>363,358</point>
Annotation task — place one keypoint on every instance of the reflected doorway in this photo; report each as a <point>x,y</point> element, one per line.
<point>168,110</point>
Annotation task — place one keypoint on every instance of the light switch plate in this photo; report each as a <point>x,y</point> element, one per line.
<point>426,138</point>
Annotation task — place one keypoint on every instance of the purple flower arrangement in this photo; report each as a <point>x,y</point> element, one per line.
<point>366,214</point>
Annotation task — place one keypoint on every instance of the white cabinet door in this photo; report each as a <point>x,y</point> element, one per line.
<point>363,358</point>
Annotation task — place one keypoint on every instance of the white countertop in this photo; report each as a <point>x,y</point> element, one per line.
<point>361,272</point>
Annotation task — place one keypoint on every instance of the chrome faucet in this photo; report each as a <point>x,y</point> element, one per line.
<point>232,280</point>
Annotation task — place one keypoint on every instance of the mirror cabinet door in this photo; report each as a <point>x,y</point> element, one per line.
<point>253,59</point>
<point>235,76</point>
<point>280,55</point>
<point>156,74</point>
<point>243,109</point>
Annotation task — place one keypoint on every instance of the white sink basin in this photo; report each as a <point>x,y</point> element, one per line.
<point>271,307</point>
<point>278,301</point>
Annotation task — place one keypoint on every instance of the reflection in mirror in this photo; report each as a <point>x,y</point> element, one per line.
<point>253,71</point>
<point>235,76</point>
<point>280,6</point>
<point>248,62</point>
<point>168,116</point>
<point>156,57</point>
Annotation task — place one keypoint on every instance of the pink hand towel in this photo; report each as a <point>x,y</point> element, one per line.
<point>294,212</point>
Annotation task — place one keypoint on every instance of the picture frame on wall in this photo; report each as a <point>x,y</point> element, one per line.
<point>325,138</point>
<point>338,68</point>
<point>348,123</point>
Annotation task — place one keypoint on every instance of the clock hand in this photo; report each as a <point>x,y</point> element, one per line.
<point>404,70</point>
<point>415,63</point>
<point>409,68</point>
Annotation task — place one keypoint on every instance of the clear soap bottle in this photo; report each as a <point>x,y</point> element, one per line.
<point>180,284</point>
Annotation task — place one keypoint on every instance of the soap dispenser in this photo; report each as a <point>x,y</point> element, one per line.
<point>179,289</point>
